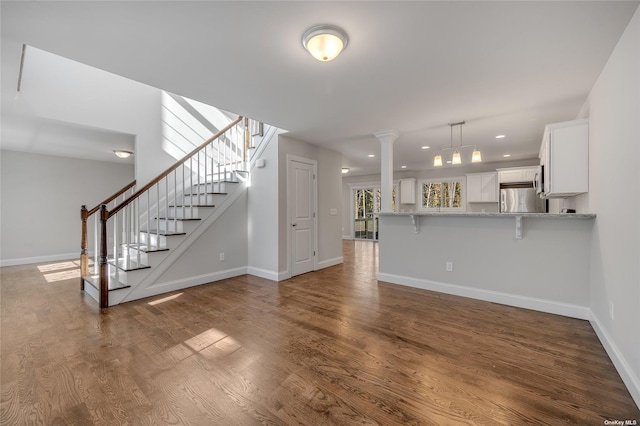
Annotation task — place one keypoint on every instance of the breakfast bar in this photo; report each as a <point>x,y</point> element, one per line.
<point>533,260</point>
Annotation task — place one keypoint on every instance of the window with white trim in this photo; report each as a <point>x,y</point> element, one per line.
<point>445,194</point>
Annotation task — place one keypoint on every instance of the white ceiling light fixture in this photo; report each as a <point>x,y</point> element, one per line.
<point>456,159</point>
<point>500,137</point>
<point>345,170</point>
<point>122,154</point>
<point>325,42</point>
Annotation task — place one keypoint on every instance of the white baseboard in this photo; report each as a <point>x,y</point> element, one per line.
<point>180,284</point>
<point>40,259</point>
<point>542,305</point>
<point>330,262</point>
<point>631,380</point>
<point>264,273</point>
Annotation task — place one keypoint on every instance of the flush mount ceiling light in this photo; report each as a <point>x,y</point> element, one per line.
<point>345,170</point>
<point>456,159</point>
<point>324,42</point>
<point>122,154</point>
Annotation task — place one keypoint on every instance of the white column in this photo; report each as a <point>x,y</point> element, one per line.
<point>387,138</point>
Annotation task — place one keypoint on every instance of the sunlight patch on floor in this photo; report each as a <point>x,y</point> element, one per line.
<point>164,299</point>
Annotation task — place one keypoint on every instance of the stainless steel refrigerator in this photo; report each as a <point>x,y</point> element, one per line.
<point>521,198</point>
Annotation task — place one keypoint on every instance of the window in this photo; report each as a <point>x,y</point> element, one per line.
<point>442,194</point>
<point>365,202</point>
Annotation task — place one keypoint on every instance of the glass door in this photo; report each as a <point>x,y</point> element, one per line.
<point>366,209</point>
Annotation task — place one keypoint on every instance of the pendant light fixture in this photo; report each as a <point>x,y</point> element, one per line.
<point>476,157</point>
<point>456,158</point>
<point>325,42</point>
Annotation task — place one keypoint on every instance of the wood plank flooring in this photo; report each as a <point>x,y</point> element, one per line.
<point>334,347</point>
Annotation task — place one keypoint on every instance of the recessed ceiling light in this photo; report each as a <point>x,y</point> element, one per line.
<point>506,155</point>
<point>403,167</point>
<point>426,147</point>
<point>371,155</point>
<point>500,136</point>
<point>345,170</point>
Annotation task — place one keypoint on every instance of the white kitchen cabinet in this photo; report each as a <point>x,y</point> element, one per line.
<point>564,155</point>
<point>517,174</point>
<point>408,191</point>
<point>482,187</point>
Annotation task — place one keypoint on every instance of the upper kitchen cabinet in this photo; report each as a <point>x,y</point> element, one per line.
<point>517,174</point>
<point>408,191</point>
<point>564,155</point>
<point>482,187</point>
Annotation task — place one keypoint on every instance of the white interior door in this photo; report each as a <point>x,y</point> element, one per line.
<point>302,216</point>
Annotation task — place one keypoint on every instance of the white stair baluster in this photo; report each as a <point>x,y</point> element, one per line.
<point>184,200</point>
<point>158,212</point>
<point>148,222</point>
<point>191,187</point>
<point>115,248</point>
<point>166,204</point>
<point>136,229</point>
<point>205,173</point>
<point>96,253</point>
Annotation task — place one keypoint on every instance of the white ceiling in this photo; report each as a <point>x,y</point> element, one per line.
<point>504,67</point>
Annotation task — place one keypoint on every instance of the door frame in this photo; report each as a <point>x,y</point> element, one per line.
<point>365,185</point>
<point>314,200</point>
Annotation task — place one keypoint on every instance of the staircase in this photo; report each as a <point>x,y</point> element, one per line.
<point>139,234</point>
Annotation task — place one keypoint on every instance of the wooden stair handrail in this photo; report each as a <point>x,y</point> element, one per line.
<point>173,167</point>
<point>84,215</point>
<point>113,197</point>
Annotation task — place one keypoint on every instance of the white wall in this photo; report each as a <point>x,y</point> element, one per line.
<point>262,220</point>
<point>227,235</point>
<point>58,88</point>
<point>329,197</point>
<point>548,269</point>
<point>613,108</point>
<point>41,197</point>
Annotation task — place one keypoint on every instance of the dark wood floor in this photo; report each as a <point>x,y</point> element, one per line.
<point>332,347</point>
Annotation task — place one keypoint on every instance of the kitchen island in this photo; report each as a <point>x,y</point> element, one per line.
<point>533,260</point>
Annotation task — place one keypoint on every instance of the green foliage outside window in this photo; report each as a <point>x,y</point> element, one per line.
<point>436,195</point>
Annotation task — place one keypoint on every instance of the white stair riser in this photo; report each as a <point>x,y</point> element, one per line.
<point>122,275</point>
<point>189,212</point>
<point>203,199</point>
<point>175,225</point>
<point>213,187</point>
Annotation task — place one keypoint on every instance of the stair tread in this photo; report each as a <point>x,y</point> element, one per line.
<point>148,249</point>
<point>192,205</point>
<point>179,218</point>
<point>94,281</point>
<point>216,181</point>
<point>205,193</point>
<point>131,265</point>
<point>163,233</point>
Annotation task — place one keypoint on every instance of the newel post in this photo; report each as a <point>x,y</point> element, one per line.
<point>104,269</point>
<point>84,255</point>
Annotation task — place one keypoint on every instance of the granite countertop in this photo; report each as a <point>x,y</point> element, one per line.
<point>478,214</point>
